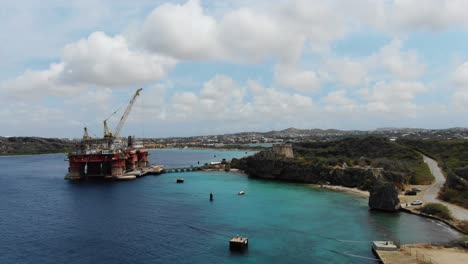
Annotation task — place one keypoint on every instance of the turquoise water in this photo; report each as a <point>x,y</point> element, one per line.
<point>44,219</point>
<point>174,158</point>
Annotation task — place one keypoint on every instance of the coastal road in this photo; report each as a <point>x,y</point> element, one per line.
<point>430,195</point>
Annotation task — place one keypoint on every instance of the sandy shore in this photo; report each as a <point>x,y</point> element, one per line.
<point>342,189</point>
<point>437,254</point>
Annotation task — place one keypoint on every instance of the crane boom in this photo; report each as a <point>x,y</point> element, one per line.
<point>126,113</point>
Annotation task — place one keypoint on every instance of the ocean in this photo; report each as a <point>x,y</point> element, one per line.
<point>46,219</point>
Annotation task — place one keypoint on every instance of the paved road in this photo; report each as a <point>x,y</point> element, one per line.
<point>430,195</point>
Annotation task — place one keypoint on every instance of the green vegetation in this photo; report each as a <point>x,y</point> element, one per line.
<point>370,151</point>
<point>34,145</point>
<point>422,174</point>
<point>437,209</point>
<point>452,156</point>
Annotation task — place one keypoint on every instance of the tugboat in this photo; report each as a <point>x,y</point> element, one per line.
<point>180,180</point>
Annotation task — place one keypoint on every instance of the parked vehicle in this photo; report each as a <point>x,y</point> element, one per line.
<point>416,202</point>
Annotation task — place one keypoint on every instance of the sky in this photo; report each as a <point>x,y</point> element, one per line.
<point>215,67</point>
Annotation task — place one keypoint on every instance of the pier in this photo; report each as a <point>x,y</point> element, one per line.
<point>184,169</point>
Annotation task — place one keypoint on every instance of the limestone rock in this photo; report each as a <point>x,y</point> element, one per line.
<point>384,197</point>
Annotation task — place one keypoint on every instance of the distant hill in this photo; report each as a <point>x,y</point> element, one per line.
<point>330,134</point>
<point>34,145</point>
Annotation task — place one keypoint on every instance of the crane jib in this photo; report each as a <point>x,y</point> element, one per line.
<point>107,132</point>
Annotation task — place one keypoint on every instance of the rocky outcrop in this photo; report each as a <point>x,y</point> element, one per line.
<point>384,197</point>
<point>283,169</point>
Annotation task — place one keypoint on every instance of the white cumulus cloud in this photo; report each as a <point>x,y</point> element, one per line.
<point>99,60</point>
<point>290,76</point>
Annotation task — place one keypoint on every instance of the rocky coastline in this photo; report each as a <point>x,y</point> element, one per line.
<point>280,169</point>
<point>380,186</point>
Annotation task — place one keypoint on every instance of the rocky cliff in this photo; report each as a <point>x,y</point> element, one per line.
<point>283,169</point>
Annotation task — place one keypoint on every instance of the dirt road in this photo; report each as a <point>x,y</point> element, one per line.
<point>430,195</point>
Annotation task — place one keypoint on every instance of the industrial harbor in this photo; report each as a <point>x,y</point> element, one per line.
<point>198,131</point>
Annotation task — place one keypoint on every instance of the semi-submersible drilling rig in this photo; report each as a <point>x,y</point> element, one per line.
<point>109,157</point>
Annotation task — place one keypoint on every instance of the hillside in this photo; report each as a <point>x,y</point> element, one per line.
<point>351,162</point>
<point>453,158</point>
<point>33,145</point>
<point>369,151</point>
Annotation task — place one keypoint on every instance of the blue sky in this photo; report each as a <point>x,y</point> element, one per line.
<point>210,67</point>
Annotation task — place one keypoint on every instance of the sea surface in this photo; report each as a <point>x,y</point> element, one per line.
<point>46,219</point>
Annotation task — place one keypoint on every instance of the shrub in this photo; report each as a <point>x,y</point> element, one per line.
<point>437,209</point>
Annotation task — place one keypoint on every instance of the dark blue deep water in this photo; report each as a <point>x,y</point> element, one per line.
<point>45,219</point>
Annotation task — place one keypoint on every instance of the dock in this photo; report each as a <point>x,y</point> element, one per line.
<point>387,252</point>
<point>137,173</point>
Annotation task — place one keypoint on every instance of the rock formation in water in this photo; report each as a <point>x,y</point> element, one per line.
<point>384,197</point>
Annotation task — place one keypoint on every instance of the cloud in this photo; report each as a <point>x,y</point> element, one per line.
<point>99,60</point>
<point>391,62</point>
<point>338,98</point>
<point>460,79</point>
<point>270,104</point>
<point>301,74</point>
<point>393,97</point>
<point>224,101</point>
<point>38,84</point>
<point>220,98</point>
<point>251,36</point>
<point>289,76</point>
<point>404,65</point>
<point>321,21</point>
<point>397,17</point>
<point>247,35</point>
<point>426,15</point>
<point>182,31</point>
<point>107,61</point>
<point>460,99</point>
<point>460,76</point>
<point>349,72</point>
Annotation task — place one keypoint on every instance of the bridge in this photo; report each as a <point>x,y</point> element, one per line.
<point>184,169</point>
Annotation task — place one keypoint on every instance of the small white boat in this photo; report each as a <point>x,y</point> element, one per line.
<point>241,193</point>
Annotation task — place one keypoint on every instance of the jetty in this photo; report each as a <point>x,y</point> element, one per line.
<point>388,253</point>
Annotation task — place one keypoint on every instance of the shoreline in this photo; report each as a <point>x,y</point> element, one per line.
<point>338,188</point>
<point>361,193</point>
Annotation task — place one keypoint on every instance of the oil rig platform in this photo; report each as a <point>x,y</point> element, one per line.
<point>110,157</point>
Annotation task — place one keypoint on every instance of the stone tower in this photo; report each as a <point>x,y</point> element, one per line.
<point>284,150</point>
